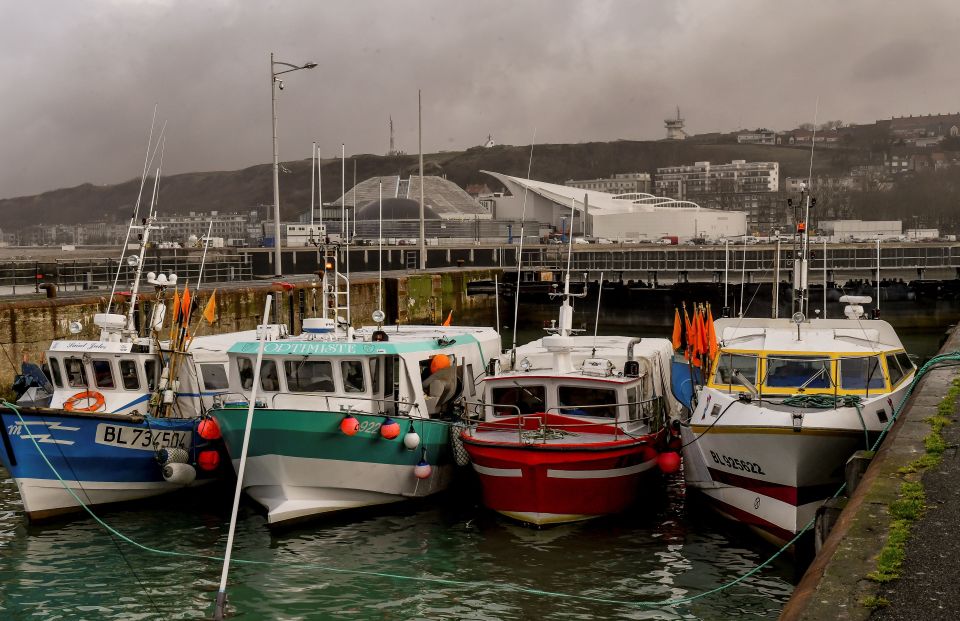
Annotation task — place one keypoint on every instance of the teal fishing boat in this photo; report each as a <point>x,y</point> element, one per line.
<point>347,420</point>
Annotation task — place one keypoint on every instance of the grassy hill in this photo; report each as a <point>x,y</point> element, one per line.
<point>243,190</point>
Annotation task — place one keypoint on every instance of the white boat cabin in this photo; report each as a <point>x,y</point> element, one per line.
<point>608,379</point>
<point>420,371</point>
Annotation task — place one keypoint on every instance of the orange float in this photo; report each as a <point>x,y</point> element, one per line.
<point>94,399</point>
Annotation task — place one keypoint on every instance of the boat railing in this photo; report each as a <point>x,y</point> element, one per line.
<point>349,408</point>
<point>535,426</point>
<point>223,398</point>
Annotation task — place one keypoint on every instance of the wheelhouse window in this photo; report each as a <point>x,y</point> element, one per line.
<point>588,401</point>
<point>375,375</point>
<point>309,375</point>
<point>632,404</point>
<point>905,363</point>
<point>103,374</point>
<point>352,371</point>
<point>245,368</point>
<point>214,376</point>
<point>527,399</point>
<point>150,371</point>
<point>861,373</point>
<point>729,363</point>
<point>894,370</point>
<point>269,381</point>
<point>55,371</point>
<point>798,372</point>
<point>128,375</point>
<point>76,372</point>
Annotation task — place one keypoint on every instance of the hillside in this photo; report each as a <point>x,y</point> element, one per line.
<point>246,189</point>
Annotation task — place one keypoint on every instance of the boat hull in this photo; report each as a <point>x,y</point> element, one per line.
<point>100,459</point>
<point>299,463</point>
<point>757,469</point>
<point>554,483</point>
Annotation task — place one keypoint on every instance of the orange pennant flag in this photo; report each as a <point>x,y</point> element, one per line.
<point>174,313</point>
<point>702,332</point>
<point>677,330</point>
<point>185,304</point>
<point>210,312</point>
<point>688,350</point>
<point>711,335</point>
<point>446,322</point>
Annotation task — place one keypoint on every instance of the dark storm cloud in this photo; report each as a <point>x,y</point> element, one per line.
<point>82,77</point>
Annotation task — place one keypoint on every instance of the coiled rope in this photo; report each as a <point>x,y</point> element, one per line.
<point>952,359</point>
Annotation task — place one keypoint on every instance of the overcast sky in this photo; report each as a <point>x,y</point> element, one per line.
<point>81,78</point>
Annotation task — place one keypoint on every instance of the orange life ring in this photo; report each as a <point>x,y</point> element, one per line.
<point>89,395</point>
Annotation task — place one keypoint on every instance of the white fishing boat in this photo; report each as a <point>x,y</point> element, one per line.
<point>784,405</point>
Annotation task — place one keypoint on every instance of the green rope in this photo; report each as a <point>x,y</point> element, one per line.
<point>831,402</point>
<point>933,362</point>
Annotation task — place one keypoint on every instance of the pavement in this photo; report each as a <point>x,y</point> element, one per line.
<point>835,585</point>
<point>928,589</point>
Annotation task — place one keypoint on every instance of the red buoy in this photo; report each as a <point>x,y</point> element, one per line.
<point>668,462</point>
<point>349,425</point>
<point>208,460</point>
<point>208,429</point>
<point>390,429</point>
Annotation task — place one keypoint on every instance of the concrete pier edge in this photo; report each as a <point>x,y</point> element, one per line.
<point>836,584</point>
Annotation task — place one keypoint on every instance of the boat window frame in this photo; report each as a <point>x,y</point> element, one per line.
<point>867,387</point>
<point>203,366</point>
<point>268,363</point>
<point>131,363</point>
<point>83,372</point>
<point>590,409</point>
<point>57,378</point>
<point>287,363</point>
<point>812,387</point>
<point>152,379</point>
<point>756,380</point>
<point>503,409</point>
<point>890,358</point>
<point>906,356</point>
<point>343,376</point>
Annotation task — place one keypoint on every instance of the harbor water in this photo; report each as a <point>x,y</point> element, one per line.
<point>441,558</point>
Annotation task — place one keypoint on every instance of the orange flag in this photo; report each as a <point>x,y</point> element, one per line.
<point>175,314</point>
<point>185,304</point>
<point>677,330</point>
<point>702,332</point>
<point>446,322</point>
<point>711,335</point>
<point>210,312</point>
<point>688,350</point>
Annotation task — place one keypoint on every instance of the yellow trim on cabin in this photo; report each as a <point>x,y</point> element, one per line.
<point>792,390</point>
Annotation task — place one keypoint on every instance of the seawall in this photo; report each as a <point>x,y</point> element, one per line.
<point>27,327</point>
<point>836,585</point>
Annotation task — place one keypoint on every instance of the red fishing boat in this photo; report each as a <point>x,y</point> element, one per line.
<point>569,425</point>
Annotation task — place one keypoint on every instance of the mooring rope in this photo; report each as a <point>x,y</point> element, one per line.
<point>953,357</point>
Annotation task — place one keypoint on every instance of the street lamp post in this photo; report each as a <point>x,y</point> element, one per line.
<point>277,257</point>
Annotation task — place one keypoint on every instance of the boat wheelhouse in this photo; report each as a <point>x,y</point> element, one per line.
<point>351,420</point>
<point>784,406</point>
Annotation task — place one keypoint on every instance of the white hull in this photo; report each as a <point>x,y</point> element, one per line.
<point>759,470</point>
<point>292,488</point>
<point>47,497</point>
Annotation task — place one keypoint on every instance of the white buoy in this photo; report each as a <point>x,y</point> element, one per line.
<point>173,455</point>
<point>411,440</point>
<point>179,474</point>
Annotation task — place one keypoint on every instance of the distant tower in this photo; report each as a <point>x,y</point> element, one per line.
<point>392,150</point>
<point>489,143</point>
<point>675,127</point>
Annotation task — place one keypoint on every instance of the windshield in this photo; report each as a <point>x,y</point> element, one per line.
<point>797,372</point>
<point>860,373</point>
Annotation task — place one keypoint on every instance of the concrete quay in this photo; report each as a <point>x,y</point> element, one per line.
<point>838,585</point>
<point>28,326</point>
